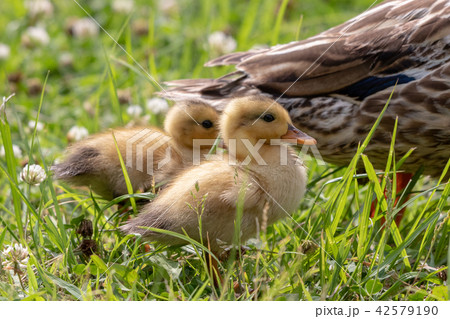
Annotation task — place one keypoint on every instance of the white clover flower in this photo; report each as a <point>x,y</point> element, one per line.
<point>123,6</point>
<point>134,110</point>
<point>39,8</point>
<point>157,105</point>
<point>77,133</point>
<point>39,125</point>
<point>4,51</point>
<point>220,43</point>
<point>16,258</point>
<point>85,28</point>
<point>36,36</point>
<point>89,107</point>
<point>66,59</point>
<point>168,6</point>
<point>16,150</point>
<point>33,174</point>
<point>58,160</point>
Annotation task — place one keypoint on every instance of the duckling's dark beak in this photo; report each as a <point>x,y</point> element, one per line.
<point>294,133</point>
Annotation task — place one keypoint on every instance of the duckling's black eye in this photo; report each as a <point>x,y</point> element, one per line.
<point>207,124</point>
<point>268,118</point>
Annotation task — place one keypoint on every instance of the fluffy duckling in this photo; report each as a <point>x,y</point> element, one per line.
<point>255,168</point>
<point>152,156</point>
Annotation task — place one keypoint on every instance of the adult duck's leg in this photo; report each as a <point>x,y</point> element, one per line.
<point>402,180</point>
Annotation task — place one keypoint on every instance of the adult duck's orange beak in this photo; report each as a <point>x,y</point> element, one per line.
<point>294,133</point>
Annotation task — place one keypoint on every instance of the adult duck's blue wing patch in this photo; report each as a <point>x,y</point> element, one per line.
<point>373,84</point>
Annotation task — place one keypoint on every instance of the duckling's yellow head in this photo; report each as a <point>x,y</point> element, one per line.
<point>259,118</point>
<point>192,119</point>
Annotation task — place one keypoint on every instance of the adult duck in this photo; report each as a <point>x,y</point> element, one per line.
<point>335,84</point>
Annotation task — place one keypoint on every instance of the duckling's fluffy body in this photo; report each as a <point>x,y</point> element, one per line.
<point>94,162</point>
<point>210,192</point>
<point>181,206</point>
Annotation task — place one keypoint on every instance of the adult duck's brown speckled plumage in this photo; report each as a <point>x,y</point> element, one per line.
<point>335,84</point>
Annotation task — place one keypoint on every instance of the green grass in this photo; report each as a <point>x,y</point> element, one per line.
<point>328,250</point>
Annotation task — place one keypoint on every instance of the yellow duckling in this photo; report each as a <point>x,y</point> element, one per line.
<point>265,172</point>
<point>152,157</point>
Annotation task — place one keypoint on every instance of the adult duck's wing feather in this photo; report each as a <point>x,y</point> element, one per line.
<point>216,92</point>
<point>385,40</point>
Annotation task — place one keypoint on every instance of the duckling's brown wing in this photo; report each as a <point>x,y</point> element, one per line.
<point>386,40</point>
